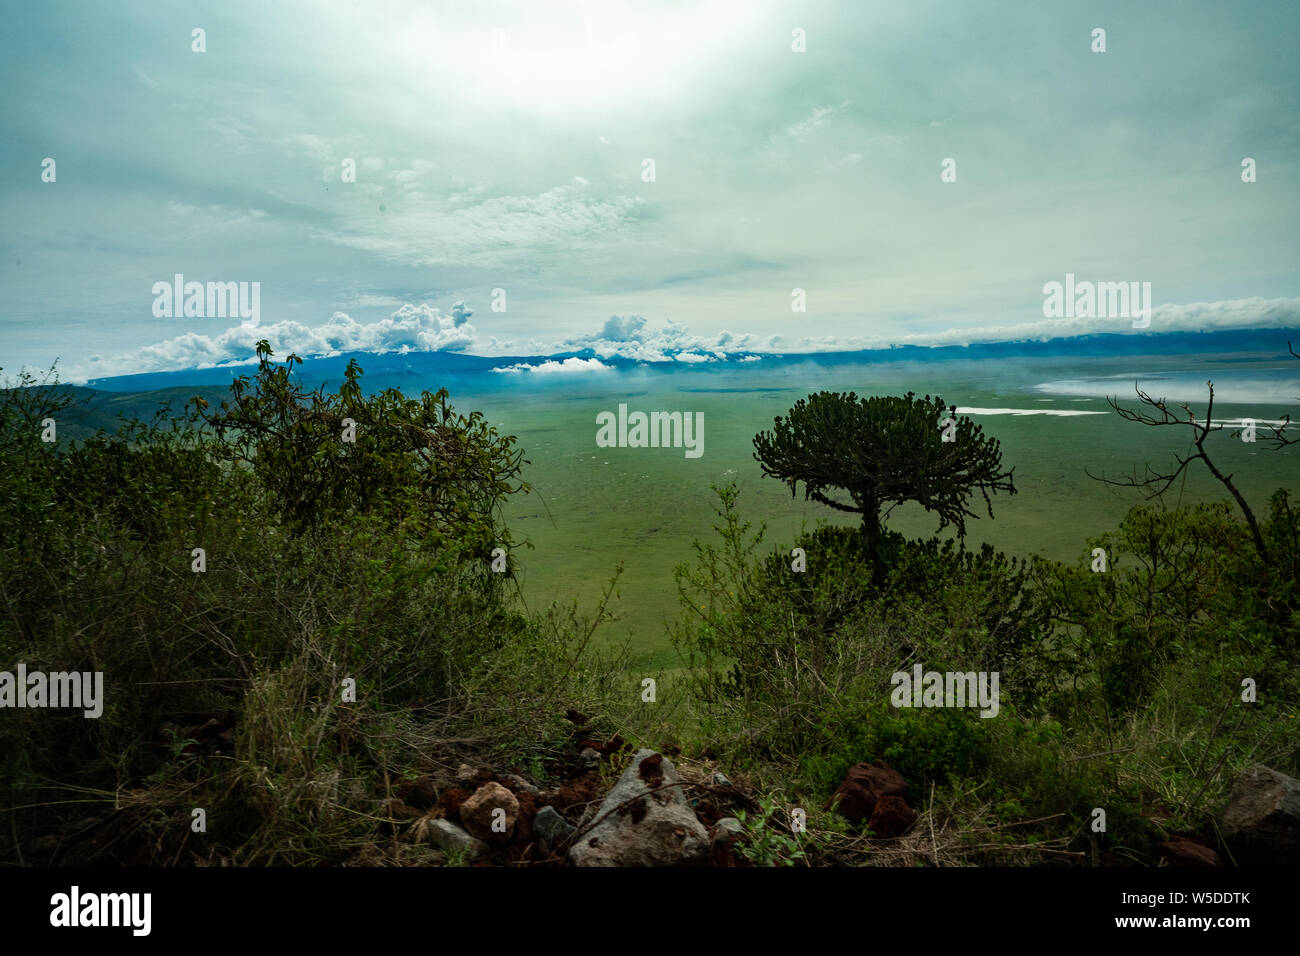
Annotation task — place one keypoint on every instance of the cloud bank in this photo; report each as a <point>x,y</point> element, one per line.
<point>425,328</point>
<point>412,328</point>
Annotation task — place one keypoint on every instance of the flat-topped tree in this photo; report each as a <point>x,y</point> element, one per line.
<point>883,451</point>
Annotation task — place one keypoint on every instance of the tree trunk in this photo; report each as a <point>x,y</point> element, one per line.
<point>871,537</point>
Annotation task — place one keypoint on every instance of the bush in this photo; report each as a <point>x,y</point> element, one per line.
<point>325,561</point>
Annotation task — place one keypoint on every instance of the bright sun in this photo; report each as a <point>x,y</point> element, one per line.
<point>577,54</point>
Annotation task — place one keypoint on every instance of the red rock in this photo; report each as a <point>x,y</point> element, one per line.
<point>891,817</point>
<point>863,785</point>
<point>584,788</point>
<point>451,800</point>
<point>478,812</point>
<point>527,811</point>
<point>421,792</point>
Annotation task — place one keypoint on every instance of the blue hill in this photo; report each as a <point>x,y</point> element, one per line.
<point>460,368</point>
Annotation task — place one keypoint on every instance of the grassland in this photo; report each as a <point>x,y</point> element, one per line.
<point>593,508</point>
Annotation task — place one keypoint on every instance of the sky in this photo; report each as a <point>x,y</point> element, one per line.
<point>504,146</point>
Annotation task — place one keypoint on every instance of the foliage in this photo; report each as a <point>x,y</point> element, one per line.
<point>325,560</point>
<point>329,559</point>
<point>765,844</point>
<point>1118,688</point>
<point>413,463</point>
<point>883,451</point>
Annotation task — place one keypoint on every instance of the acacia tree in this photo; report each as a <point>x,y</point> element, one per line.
<point>881,452</point>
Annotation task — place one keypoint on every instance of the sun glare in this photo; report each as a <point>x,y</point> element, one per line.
<point>576,55</point>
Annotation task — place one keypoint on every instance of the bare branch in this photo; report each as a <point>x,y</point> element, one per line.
<point>1157,483</point>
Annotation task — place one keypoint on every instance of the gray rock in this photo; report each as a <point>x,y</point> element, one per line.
<point>720,780</point>
<point>729,827</point>
<point>450,837</point>
<point>551,829</point>
<point>1261,823</point>
<point>727,832</point>
<point>519,784</point>
<point>589,758</point>
<point>639,824</point>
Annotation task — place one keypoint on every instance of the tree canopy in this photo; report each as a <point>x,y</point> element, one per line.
<point>414,461</point>
<point>881,452</point>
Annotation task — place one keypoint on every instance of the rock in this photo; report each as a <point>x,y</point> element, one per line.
<point>606,748</point>
<point>1183,851</point>
<point>726,834</point>
<point>449,837</point>
<point>519,784</point>
<point>479,812</point>
<point>527,813</point>
<point>451,800</point>
<point>720,780</point>
<point>863,785</point>
<point>589,758</point>
<point>891,817</point>
<point>1261,823</point>
<point>641,825</point>
<point>422,792</point>
<point>581,790</point>
<point>465,774</point>
<point>728,830</point>
<point>550,829</point>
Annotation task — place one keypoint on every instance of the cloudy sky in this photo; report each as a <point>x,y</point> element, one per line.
<point>503,145</point>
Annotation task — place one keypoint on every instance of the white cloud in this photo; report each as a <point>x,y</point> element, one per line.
<point>367,300</point>
<point>420,328</point>
<point>630,337</point>
<point>424,328</point>
<point>851,159</point>
<point>815,120</point>
<point>1252,313</point>
<point>320,149</point>
<point>213,216</point>
<point>619,328</point>
<point>569,366</point>
<point>417,228</point>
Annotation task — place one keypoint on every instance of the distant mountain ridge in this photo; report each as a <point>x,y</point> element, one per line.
<point>1251,344</point>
